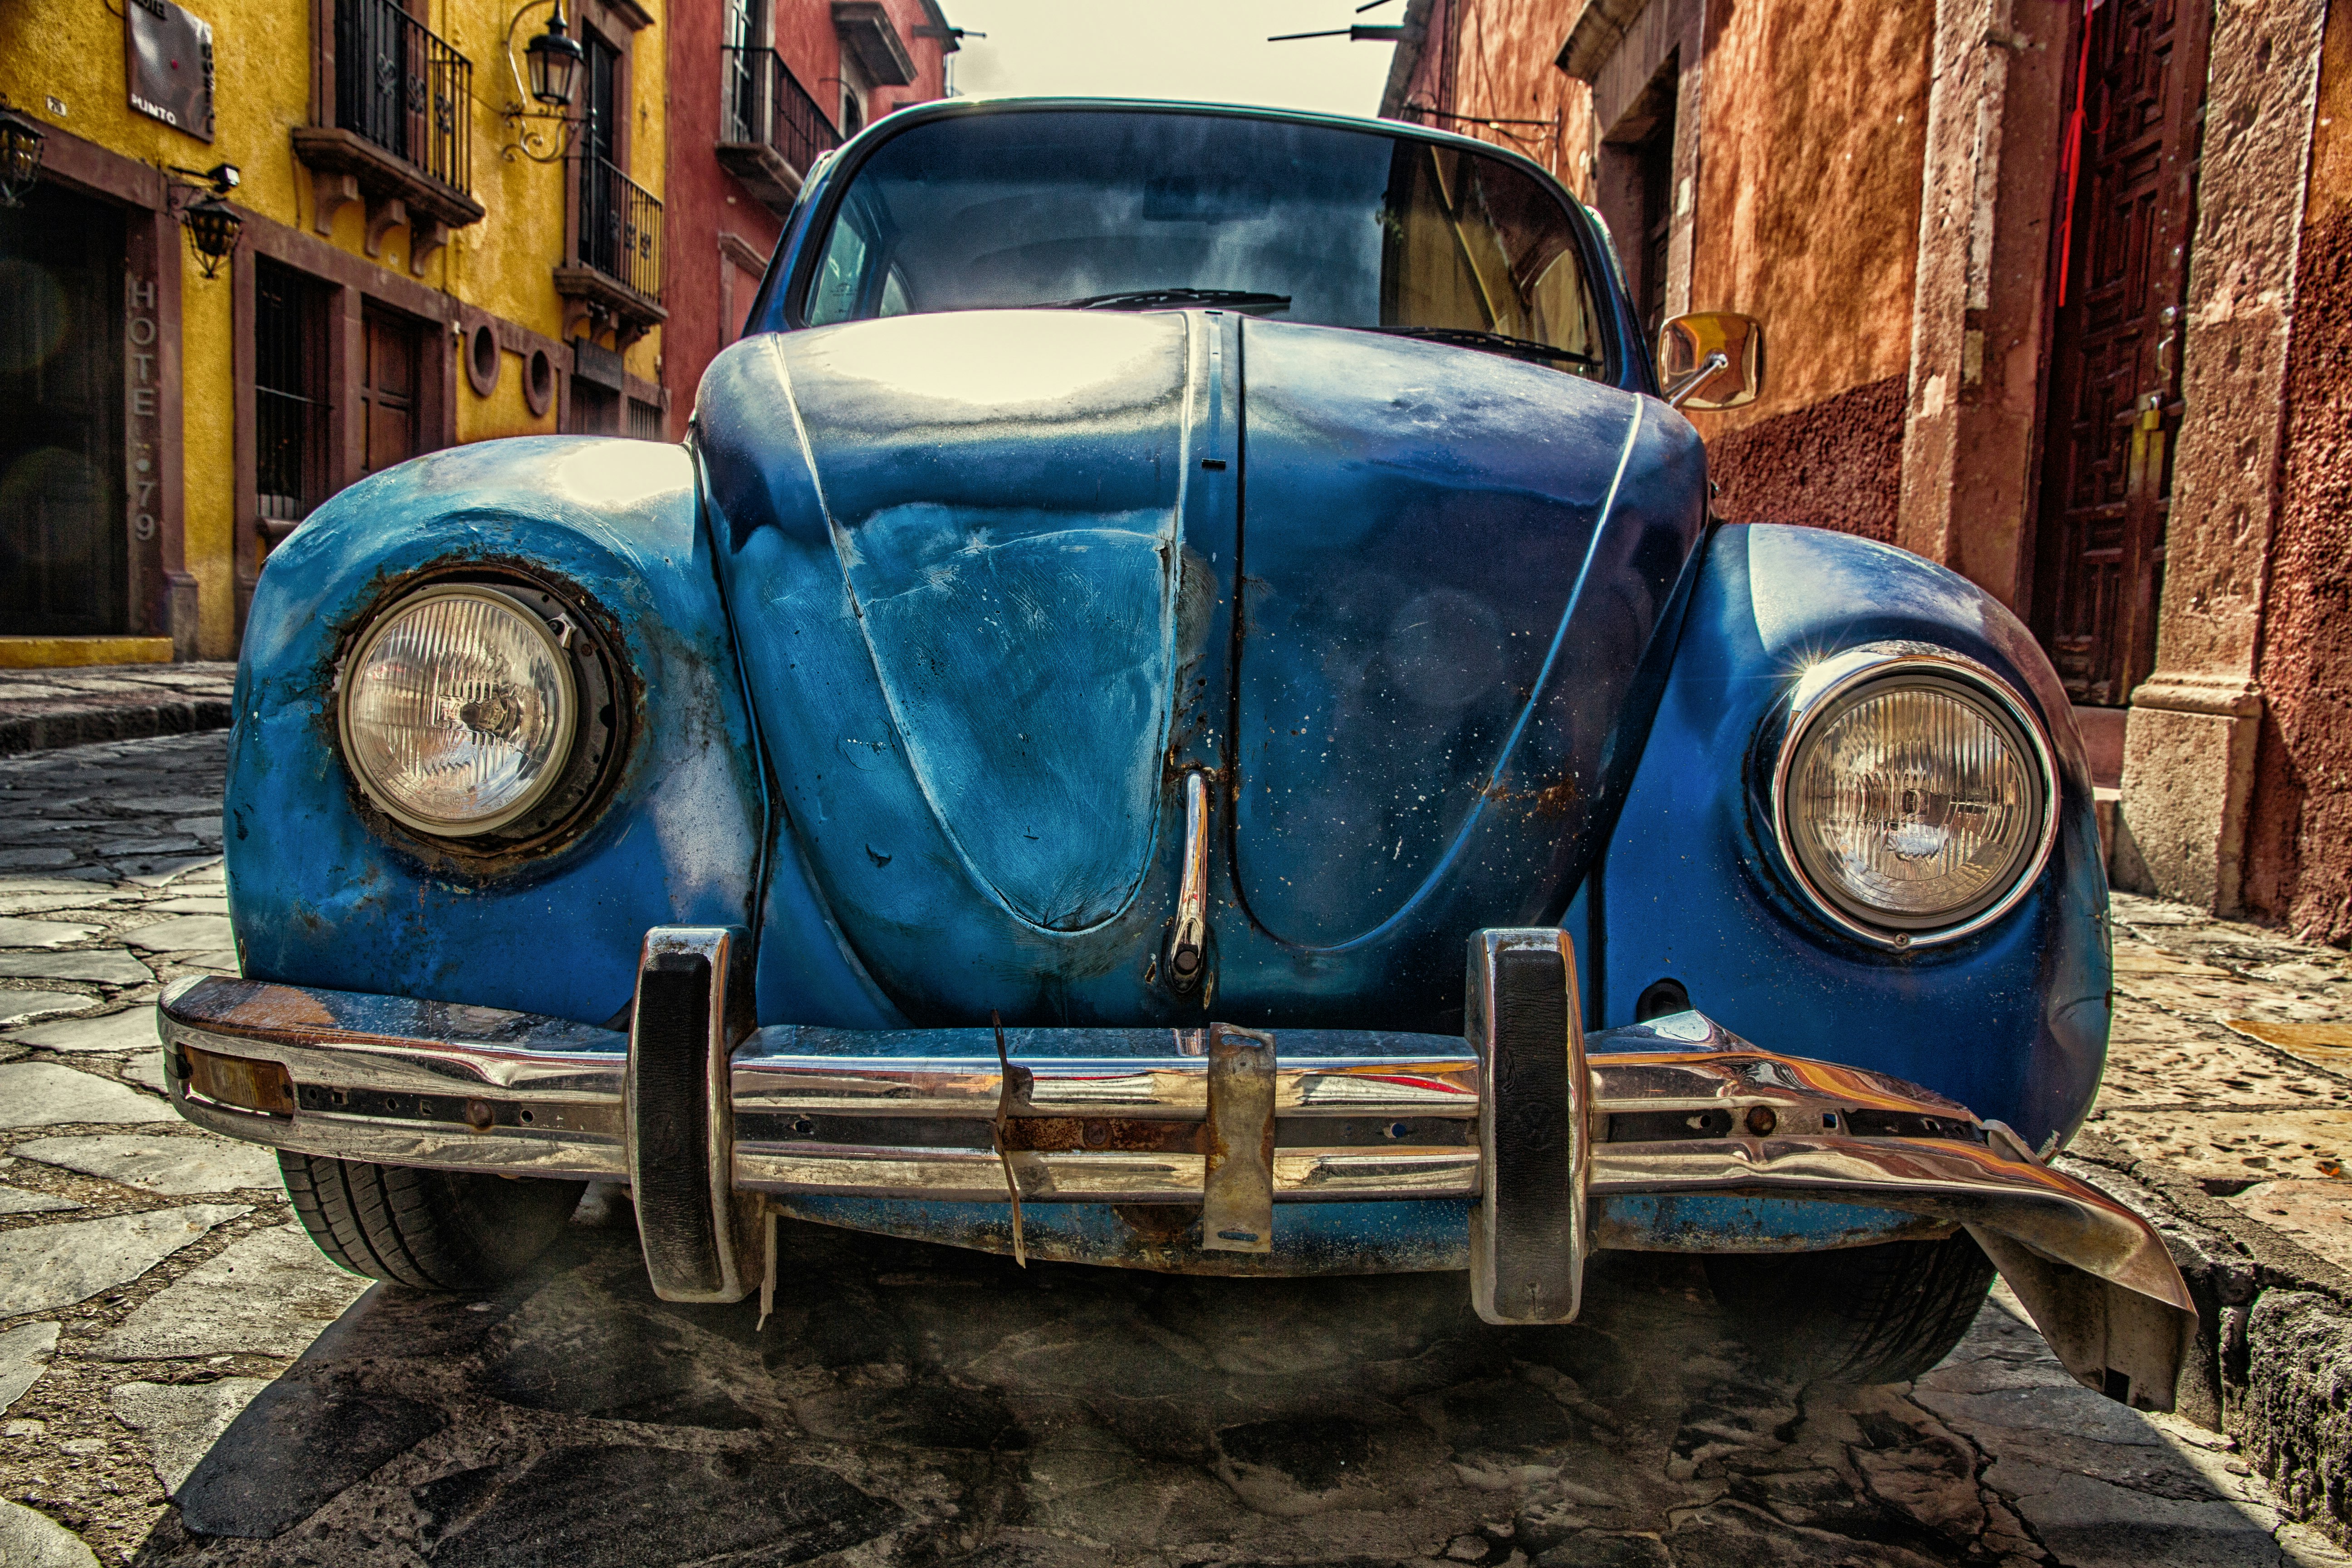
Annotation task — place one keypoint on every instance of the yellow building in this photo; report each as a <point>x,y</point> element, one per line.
<point>416,262</point>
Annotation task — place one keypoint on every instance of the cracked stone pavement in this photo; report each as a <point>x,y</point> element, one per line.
<point>185,1379</point>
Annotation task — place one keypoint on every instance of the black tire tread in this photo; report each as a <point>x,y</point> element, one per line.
<point>1867,1314</point>
<point>429,1230</point>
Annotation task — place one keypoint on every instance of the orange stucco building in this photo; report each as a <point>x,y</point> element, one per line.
<point>2057,294</point>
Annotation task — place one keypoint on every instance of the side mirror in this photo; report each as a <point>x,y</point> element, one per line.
<point>1711,359</point>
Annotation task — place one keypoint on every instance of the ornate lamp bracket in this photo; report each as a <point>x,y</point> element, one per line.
<point>540,113</point>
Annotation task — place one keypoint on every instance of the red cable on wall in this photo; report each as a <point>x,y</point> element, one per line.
<point>2071,159</point>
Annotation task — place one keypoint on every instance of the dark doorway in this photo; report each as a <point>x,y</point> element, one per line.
<point>594,410</point>
<point>388,390</point>
<point>1656,153</point>
<point>1635,192</point>
<point>64,553</point>
<point>2114,406</point>
<point>602,202</point>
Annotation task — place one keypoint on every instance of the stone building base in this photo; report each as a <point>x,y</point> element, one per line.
<point>2189,775</point>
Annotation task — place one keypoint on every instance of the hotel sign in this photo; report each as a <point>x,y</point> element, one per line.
<point>170,55</point>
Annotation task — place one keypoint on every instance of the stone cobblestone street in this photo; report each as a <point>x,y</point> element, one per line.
<point>44,709</point>
<point>185,1379</point>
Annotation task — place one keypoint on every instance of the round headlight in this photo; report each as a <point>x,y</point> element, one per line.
<point>1914,800</point>
<point>457,710</point>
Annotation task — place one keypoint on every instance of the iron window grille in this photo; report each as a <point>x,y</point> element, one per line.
<point>290,396</point>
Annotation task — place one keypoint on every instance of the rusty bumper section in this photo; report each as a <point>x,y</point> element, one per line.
<point>1551,1162</point>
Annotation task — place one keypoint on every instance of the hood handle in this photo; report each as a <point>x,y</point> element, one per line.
<point>1188,944</point>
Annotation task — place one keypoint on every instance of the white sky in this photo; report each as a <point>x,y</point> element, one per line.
<point>1213,50</point>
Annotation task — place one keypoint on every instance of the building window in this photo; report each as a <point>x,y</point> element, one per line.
<point>855,91</point>
<point>1634,187</point>
<point>620,220</point>
<point>644,420</point>
<point>738,63</point>
<point>291,403</point>
<point>601,200</point>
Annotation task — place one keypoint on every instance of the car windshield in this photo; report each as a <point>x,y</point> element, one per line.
<point>1137,210</point>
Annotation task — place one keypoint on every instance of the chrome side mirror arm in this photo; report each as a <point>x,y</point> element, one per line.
<point>1679,390</point>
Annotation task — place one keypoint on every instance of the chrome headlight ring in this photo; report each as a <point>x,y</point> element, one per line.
<point>1837,686</point>
<point>564,713</point>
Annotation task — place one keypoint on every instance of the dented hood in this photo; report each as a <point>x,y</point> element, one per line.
<point>999,519</point>
<point>984,569</point>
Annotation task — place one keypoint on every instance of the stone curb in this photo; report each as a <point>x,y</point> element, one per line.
<point>2272,1366</point>
<point>46,726</point>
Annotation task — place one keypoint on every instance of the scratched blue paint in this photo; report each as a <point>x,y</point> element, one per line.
<point>1007,541</point>
<point>1730,1222</point>
<point>2011,1022</point>
<point>1446,609</point>
<point>317,897</point>
<point>1309,1238</point>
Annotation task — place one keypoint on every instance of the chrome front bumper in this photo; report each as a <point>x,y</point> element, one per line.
<point>724,1125</point>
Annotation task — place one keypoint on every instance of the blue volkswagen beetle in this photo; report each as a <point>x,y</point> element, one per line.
<point>1179,708</point>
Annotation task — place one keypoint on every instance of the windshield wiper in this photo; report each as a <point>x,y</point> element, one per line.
<point>1242,299</point>
<point>1499,343</point>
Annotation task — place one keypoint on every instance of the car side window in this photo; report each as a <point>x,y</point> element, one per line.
<point>841,276</point>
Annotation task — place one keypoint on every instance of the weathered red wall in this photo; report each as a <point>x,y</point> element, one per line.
<point>1808,218</point>
<point>1498,55</point>
<point>2299,848</point>
<point>704,201</point>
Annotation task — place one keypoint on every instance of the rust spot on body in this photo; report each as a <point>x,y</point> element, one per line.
<point>1548,804</point>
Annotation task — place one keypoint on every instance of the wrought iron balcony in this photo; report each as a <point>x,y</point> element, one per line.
<point>770,129</point>
<point>618,267</point>
<point>402,88</point>
<point>396,132</point>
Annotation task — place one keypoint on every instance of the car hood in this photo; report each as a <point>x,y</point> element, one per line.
<point>984,569</point>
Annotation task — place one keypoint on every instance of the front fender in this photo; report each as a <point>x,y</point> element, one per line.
<point>320,897</point>
<point>2011,1021</point>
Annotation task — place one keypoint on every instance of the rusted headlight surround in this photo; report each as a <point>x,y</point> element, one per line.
<point>1913,795</point>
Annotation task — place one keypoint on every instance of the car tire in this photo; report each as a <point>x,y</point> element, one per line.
<point>429,1230</point>
<point>1862,1314</point>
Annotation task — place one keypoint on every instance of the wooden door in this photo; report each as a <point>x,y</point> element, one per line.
<point>388,391</point>
<point>2114,406</point>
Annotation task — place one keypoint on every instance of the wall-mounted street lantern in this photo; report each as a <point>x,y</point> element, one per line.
<point>20,154</point>
<point>212,223</point>
<point>555,60</point>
